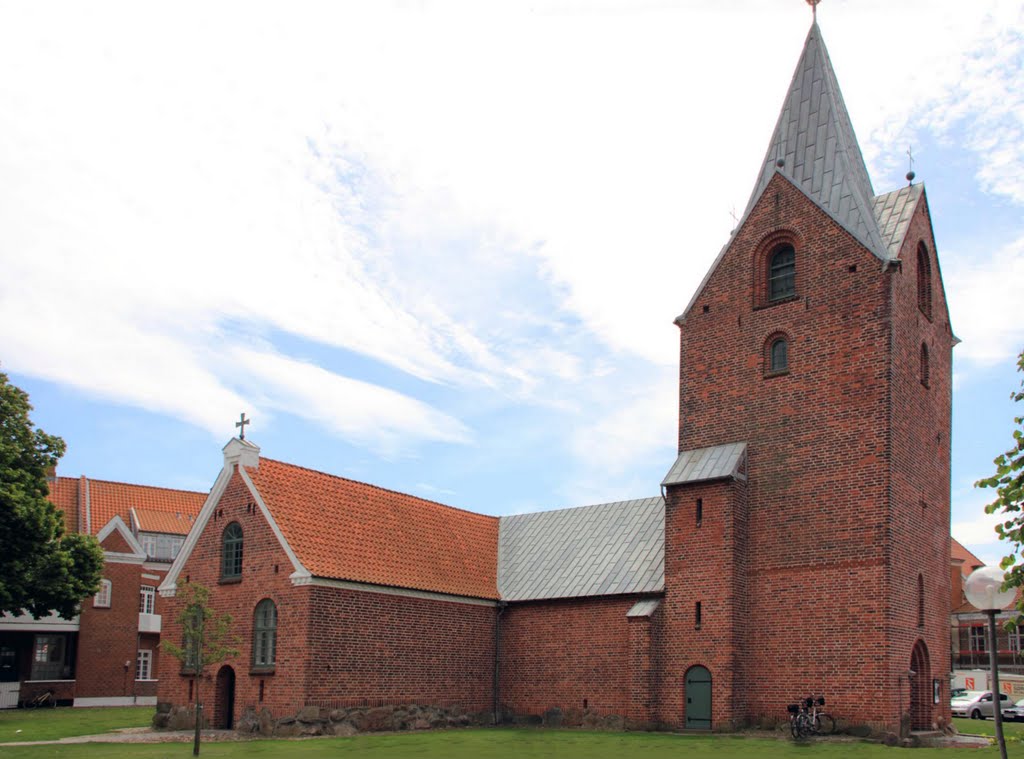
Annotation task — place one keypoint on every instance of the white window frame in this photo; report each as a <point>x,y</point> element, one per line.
<point>102,598</point>
<point>144,665</point>
<point>977,634</point>
<point>147,599</point>
<point>1016,638</point>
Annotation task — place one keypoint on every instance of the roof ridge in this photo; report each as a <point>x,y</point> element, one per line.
<point>93,480</point>
<point>375,487</point>
<point>583,506</point>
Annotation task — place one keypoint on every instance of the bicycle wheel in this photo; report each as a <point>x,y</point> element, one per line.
<point>794,726</point>
<point>824,724</point>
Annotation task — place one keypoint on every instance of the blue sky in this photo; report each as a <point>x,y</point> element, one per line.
<point>439,246</point>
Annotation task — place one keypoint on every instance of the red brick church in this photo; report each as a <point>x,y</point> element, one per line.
<point>800,542</point>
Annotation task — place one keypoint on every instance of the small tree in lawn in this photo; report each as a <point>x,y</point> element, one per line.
<point>206,639</point>
<point>1008,482</point>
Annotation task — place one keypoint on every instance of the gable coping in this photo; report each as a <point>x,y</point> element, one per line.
<point>116,524</point>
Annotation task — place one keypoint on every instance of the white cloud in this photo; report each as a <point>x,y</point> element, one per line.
<point>984,301</point>
<point>488,195</point>
<point>387,422</point>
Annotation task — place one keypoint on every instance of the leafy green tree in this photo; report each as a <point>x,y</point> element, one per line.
<point>42,568</point>
<point>206,639</point>
<point>1008,482</point>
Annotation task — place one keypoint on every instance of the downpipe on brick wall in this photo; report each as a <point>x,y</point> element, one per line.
<point>496,689</point>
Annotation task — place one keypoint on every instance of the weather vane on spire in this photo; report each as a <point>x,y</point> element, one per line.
<point>814,8</point>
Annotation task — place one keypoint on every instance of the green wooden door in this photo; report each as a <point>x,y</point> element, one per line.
<point>698,699</point>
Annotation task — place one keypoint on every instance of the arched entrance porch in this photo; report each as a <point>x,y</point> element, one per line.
<point>224,702</point>
<point>920,688</point>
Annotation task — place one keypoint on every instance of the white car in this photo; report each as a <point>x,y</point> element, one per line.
<point>977,704</point>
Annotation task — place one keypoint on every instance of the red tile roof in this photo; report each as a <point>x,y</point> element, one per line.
<point>176,523</point>
<point>970,561</point>
<point>347,530</point>
<point>89,504</point>
<point>64,495</point>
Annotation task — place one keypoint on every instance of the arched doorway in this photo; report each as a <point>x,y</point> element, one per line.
<point>698,698</point>
<point>920,688</point>
<point>224,704</point>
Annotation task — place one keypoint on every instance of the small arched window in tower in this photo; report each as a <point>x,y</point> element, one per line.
<point>782,273</point>
<point>924,365</point>
<point>776,354</point>
<point>231,556</point>
<point>920,600</point>
<point>924,281</point>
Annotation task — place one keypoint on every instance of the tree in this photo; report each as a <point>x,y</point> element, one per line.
<point>42,568</point>
<point>1008,482</point>
<point>206,639</point>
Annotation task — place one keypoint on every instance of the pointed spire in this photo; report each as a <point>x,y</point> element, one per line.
<point>814,146</point>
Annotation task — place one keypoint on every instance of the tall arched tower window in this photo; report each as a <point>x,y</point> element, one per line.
<point>924,281</point>
<point>231,555</point>
<point>920,600</point>
<point>782,273</point>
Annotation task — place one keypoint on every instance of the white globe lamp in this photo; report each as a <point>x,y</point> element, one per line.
<point>984,590</point>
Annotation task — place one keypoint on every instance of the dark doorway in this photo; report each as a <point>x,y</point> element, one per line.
<point>224,705</point>
<point>920,688</point>
<point>698,698</point>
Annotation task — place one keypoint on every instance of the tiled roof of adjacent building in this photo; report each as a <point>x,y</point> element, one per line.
<point>608,549</point>
<point>814,139</point>
<point>174,523</point>
<point>958,553</point>
<point>89,504</point>
<point>347,530</point>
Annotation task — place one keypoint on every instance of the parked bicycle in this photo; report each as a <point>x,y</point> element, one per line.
<point>807,717</point>
<point>46,698</point>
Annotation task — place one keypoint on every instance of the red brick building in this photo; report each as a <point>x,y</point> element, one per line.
<point>109,654</point>
<point>800,544</point>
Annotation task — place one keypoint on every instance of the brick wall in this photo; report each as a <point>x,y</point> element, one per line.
<point>375,649</point>
<point>573,654</point>
<point>265,574</point>
<point>823,538</point>
<point>109,637</point>
<point>918,530</point>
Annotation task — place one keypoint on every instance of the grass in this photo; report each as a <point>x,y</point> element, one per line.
<point>62,722</point>
<point>499,744</point>
<point>988,727</point>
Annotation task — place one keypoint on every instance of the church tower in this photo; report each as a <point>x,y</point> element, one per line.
<point>807,516</point>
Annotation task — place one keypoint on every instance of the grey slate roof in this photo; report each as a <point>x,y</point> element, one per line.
<point>607,549</point>
<point>815,137</point>
<point>644,608</point>
<point>703,464</point>
<point>893,211</point>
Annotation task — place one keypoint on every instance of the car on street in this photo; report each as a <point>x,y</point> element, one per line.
<point>1014,713</point>
<point>977,704</point>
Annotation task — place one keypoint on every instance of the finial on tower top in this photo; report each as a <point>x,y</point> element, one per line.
<point>242,423</point>
<point>814,8</point>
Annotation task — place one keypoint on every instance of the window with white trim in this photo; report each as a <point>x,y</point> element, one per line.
<point>48,657</point>
<point>102,598</point>
<point>976,638</point>
<point>147,599</point>
<point>144,665</point>
<point>1016,638</point>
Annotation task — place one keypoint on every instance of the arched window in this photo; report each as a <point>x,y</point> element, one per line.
<point>924,281</point>
<point>778,355</point>
<point>924,365</point>
<point>920,600</point>
<point>782,273</point>
<point>231,564</point>
<point>102,598</point>
<point>264,634</point>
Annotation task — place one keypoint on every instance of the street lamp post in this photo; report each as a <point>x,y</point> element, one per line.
<point>984,590</point>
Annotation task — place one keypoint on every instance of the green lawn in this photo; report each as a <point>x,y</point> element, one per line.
<point>502,744</point>
<point>50,724</point>
<point>988,727</point>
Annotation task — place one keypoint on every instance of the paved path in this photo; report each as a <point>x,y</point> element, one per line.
<point>140,735</point>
